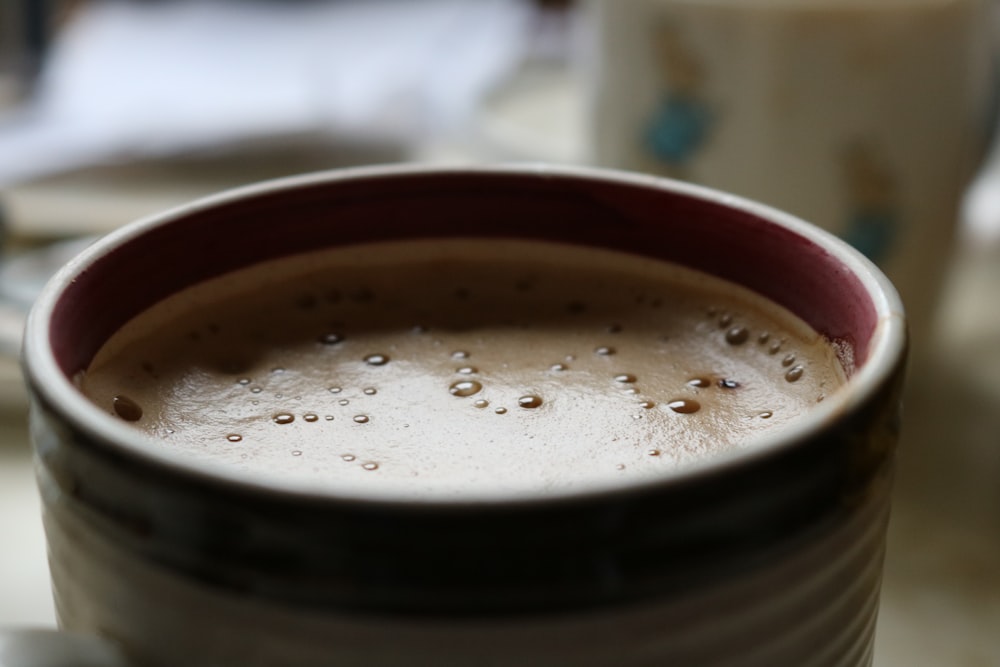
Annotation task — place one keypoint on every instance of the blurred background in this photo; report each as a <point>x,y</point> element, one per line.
<point>113,110</point>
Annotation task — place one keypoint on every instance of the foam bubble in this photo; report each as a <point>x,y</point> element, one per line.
<point>737,335</point>
<point>126,408</point>
<point>331,338</point>
<point>684,406</point>
<point>794,373</point>
<point>529,401</point>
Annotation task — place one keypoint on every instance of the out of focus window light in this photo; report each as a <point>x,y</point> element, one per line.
<point>132,80</point>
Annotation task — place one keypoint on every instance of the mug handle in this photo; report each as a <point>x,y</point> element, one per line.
<point>54,648</point>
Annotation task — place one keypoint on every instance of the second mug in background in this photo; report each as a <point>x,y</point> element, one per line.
<point>865,117</point>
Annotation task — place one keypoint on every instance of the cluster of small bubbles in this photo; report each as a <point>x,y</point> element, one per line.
<point>647,404</point>
<point>766,414</point>
<point>465,388</point>
<point>467,370</point>
<point>283,418</point>
<point>625,378</point>
<point>459,354</point>
<point>344,401</point>
<point>604,351</point>
<point>529,401</point>
<point>737,335</point>
<point>725,383</point>
<point>370,391</point>
<point>371,465</point>
<point>684,406</point>
<point>377,359</point>
<point>331,338</point>
<point>699,382</point>
<point>310,417</point>
<point>335,390</point>
<point>794,373</point>
<point>296,452</point>
<point>501,411</point>
<point>234,437</point>
<point>788,360</point>
<point>361,419</point>
<point>558,367</point>
<point>481,403</point>
<point>126,408</point>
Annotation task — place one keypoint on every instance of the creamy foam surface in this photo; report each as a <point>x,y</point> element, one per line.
<point>435,368</point>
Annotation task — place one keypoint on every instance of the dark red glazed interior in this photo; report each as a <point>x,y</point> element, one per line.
<point>624,214</point>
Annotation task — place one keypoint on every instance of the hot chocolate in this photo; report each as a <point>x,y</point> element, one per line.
<point>432,367</point>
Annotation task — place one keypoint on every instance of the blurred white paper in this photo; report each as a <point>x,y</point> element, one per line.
<point>152,79</point>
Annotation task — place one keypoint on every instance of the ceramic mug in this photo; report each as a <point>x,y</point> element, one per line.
<point>765,556</point>
<point>867,118</point>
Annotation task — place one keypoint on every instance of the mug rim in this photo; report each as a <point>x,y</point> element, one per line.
<point>48,381</point>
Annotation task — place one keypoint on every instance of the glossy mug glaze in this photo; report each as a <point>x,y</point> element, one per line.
<point>767,556</point>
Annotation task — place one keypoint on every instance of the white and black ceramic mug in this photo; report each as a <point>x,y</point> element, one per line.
<point>768,556</point>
